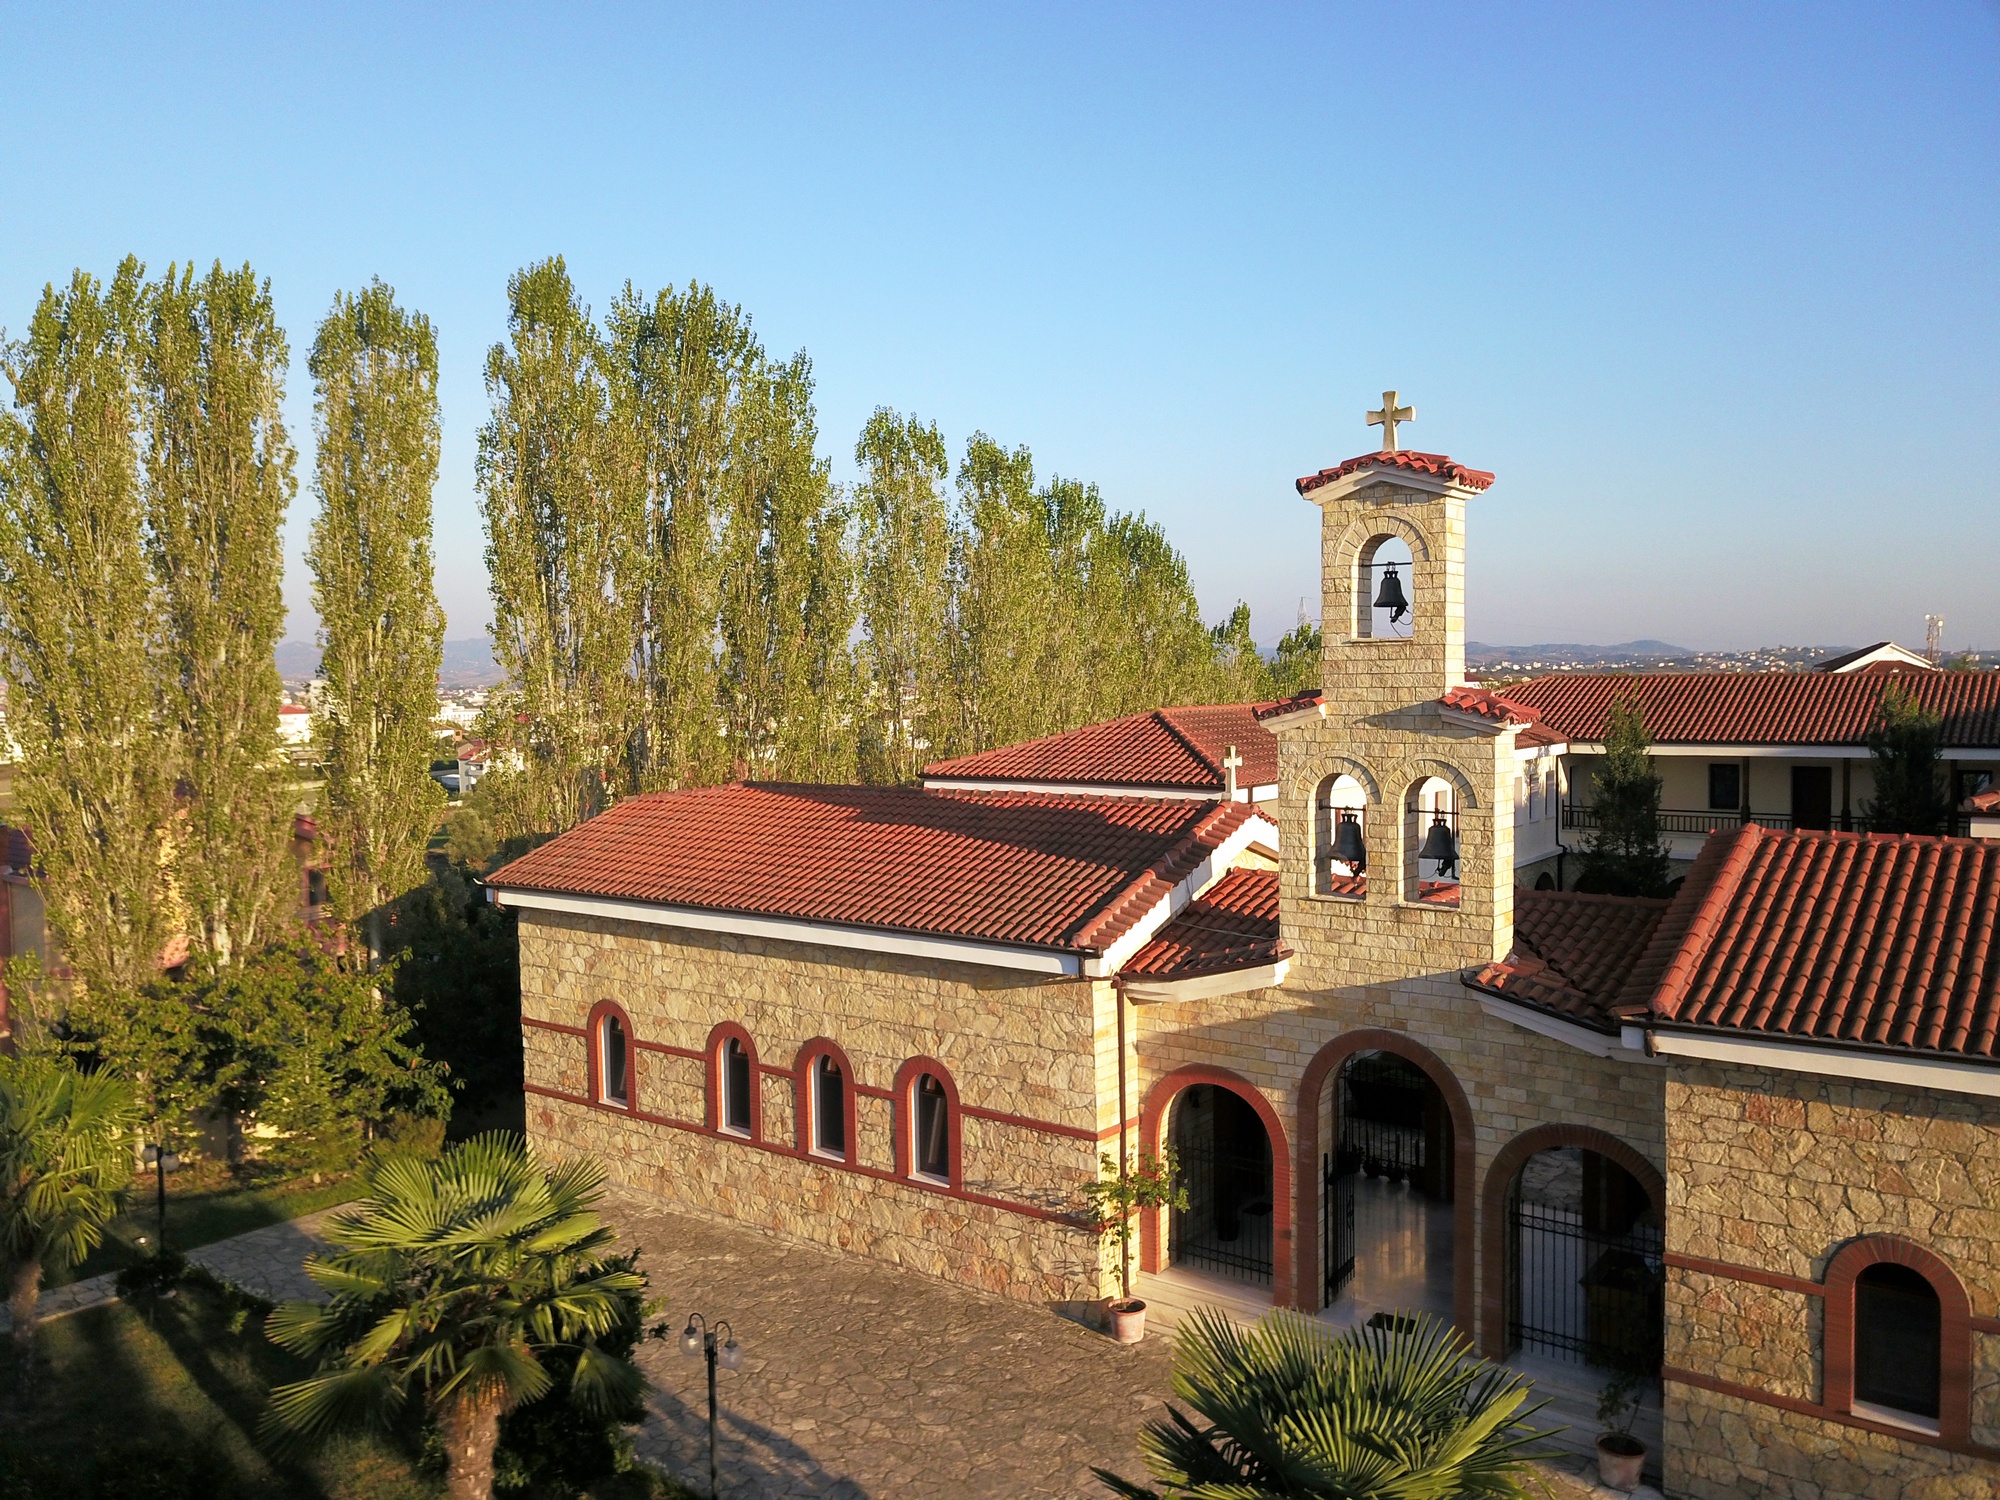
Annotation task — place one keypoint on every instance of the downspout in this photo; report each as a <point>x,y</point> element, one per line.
<point>1124,1115</point>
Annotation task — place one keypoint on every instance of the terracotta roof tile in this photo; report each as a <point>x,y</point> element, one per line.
<point>1773,708</point>
<point>1234,925</point>
<point>1484,703</point>
<point>1572,953</point>
<point>1074,873</point>
<point>1984,802</point>
<point>1437,465</point>
<point>1165,749</point>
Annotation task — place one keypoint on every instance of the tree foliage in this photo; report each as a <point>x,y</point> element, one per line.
<point>459,976</point>
<point>1625,856</point>
<point>1289,1410</point>
<point>1906,746</point>
<point>374,367</point>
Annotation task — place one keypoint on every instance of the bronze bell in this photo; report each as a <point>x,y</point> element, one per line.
<point>1348,849</point>
<point>1440,847</point>
<point>1390,595</point>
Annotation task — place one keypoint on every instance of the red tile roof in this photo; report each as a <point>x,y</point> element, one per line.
<point>1984,802</point>
<point>1572,953</point>
<point>1233,926</point>
<point>1166,749</point>
<point>1071,873</point>
<point>1775,708</point>
<point>1436,465</point>
<point>1870,940</point>
<point>1484,703</point>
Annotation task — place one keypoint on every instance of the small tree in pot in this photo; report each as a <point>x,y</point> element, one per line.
<point>1620,1456</point>
<point>1141,1181</point>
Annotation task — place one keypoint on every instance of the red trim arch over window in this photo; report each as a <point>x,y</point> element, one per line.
<point>593,1044</point>
<point>907,1077</point>
<point>1954,1328</point>
<point>803,1109</point>
<point>724,1033</point>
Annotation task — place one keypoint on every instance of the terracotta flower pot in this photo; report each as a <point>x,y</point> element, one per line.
<point>1128,1320</point>
<point>1620,1457</point>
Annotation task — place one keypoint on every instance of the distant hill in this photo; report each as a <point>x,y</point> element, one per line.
<point>467,663</point>
<point>1479,651</point>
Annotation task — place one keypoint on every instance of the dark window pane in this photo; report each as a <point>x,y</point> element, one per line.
<point>735,1086</point>
<point>829,1107</point>
<point>1725,786</point>
<point>615,1062</point>
<point>1896,1340</point>
<point>933,1124</point>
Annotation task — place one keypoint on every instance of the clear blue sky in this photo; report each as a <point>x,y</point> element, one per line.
<point>1713,289</point>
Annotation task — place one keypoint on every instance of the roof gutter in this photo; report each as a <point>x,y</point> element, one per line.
<point>1866,1065</point>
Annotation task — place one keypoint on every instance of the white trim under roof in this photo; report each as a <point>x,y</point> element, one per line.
<point>1251,835</point>
<point>1783,752</point>
<point>1206,986</point>
<point>1833,1062</point>
<point>1408,479</point>
<point>1570,1033</point>
<point>791,930</point>
<point>1094,789</point>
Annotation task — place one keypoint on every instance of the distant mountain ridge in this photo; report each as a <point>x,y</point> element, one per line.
<point>467,663</point>
<point>1569,651</point>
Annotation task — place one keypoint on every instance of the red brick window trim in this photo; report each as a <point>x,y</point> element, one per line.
<point>823,1067</point>
<point>1843,1273</point>
<point>927,1124</point>
<point>613,1057</point>
<point>735,1087</point>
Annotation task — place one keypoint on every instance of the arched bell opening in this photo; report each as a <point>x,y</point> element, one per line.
<point>1431,842</point>
<point>1585,1273</point>
<point>1340,846</point>
<point>1388,1236</point>
<point>1385,590</point>
<point>1224,1155</point>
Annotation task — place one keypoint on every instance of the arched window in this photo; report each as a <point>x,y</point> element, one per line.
<point>930,1128</point>
<point>1384,590</point>
<point>1341,846</point>
<point>735,1077</point>
<point>614,1061</point>
<point>1898,1342</point>
<point>829,1106</point>
<point>1431,839</point>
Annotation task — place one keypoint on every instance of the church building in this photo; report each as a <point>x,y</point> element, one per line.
<point>1744,1140</point>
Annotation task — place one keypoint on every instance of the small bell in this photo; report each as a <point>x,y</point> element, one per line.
<point>1440,848</point>
<point>1390,595</point>
<point>1348,849</point>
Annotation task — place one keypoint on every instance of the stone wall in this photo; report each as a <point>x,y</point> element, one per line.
<point>1013,1045</point>
<point>1775,1173</point>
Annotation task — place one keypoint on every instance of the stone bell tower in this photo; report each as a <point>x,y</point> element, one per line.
<point>1397,786</point>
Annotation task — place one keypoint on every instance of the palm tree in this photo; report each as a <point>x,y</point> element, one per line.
<point>461,1275</point>
<point>65,1156</point>
<point>1289,1410</point>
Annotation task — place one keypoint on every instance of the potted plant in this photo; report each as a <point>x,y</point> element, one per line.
<point>1620,1456</point>
<point>1142,1181</point>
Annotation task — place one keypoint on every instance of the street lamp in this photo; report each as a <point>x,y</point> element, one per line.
<point>699,1337</point>
<point>162,1161</point>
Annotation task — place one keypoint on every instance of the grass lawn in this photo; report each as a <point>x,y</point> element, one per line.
<point>206,1203</point>
<point>164,1404</point>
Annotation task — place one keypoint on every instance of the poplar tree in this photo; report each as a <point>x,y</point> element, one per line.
<point>1625,856</point>
<point>905,561</point>
<point>374,368</point>
<point>1010,612</point>
<point>218,481</point>
<point>563,557</point>
<point>80,638</point>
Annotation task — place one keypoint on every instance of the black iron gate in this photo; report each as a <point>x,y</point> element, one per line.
<point>1337,1226</point>
<point>1226,1225</point>
<point>1586,1294</point>
<point>1382,1117</point>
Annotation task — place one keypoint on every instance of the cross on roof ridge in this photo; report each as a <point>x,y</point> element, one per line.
<point>1388,417</point>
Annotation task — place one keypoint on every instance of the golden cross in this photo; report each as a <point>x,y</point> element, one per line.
<point>1388,417</point>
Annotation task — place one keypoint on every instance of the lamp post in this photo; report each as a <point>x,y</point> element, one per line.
<point>162,1161</point>
<point>699,1337</point>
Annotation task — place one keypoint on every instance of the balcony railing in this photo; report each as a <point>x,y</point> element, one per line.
<point>1685,820</point>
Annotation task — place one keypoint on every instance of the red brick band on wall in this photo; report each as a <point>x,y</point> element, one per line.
<point>1152,1127</point>
<point>1325,1064</point>
<point>1500,1178</point>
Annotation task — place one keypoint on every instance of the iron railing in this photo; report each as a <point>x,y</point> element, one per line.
<point>1586,1295</point>
<point>1226,1225</point>
<point>1686,820</point>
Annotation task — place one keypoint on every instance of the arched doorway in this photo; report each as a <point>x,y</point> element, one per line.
<point>1583,1266</point>
<point>1226,1163</point>
<point>1389,1181</point>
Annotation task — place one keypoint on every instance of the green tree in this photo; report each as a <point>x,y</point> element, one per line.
<point>219,478</point>
<point>1146,623</point>
<point>464,1281</point>
<point>374,366</point>
<point>1906,744</point>
<point>1014,621</point>
<point>80,637</point>
<point>307,1046</point>
<point>1298,665</point>
<point>1625,856</point>
<point>459,975</point>
<point>1289,1410</point>
<point>905,561</point>
<point>65,1156</point>
<point>563,555</point>
<point>1244,676</point>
